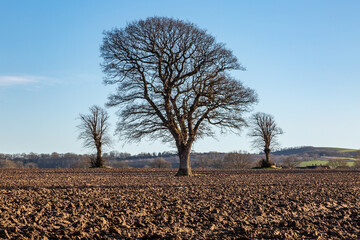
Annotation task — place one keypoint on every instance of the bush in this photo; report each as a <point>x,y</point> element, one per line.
<point>160,163</point>
<point>290,162</point>
<point>5,163</point>
<point>121,164</point>
<point>235,160</point>
<point>31,165</point>
<point>203,162</point>
<point>264,164</point>
<point>356,164</point>
<point>337,163</point>
<point>82,163</point>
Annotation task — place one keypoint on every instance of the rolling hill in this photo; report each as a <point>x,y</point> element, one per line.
<point>320,151</point>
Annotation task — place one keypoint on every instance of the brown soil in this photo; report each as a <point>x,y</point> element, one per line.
<point>143,204</point>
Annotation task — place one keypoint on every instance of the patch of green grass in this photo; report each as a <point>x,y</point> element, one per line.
<point>313,163</point>
<point>319,162</point>
<point>343,158</point>
<point>350,164</point>
<point>346,150</point>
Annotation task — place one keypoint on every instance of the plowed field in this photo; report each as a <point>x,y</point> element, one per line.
<point>143,204</point>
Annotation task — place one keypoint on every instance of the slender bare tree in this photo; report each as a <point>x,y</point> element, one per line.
<point>94,129</point>
<point>264,131</point>
<point>173,83</point>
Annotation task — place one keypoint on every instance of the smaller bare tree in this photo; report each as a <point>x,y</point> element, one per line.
<point>94,129</point>
<point>264,132</point>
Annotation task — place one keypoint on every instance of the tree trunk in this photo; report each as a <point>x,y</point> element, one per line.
<point>184,156</point>
<point>267,156</point>
<point>99,160</point>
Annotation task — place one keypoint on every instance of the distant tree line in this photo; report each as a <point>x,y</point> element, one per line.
<point>167,159</point>
<point>117,159</point>
<point>286,158</point>
<point>33,160</point>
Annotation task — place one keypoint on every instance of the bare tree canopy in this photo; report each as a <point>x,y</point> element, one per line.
<point>265,131</point>
<point>94,129</point>
<point>173,83</point>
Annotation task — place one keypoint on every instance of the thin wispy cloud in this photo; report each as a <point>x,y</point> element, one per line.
<point>20,80</point>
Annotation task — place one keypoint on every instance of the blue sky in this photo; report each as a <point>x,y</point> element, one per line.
<point>302,58</point>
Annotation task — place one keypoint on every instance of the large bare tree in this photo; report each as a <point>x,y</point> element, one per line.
<point>264,131</point>
<point>173,83</point>
<point>94,129</point>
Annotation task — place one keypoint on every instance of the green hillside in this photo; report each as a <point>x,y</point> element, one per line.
<point>339,150</point>
<point>319,151</point>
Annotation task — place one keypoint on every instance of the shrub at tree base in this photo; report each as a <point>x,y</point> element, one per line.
<point>263,163</point>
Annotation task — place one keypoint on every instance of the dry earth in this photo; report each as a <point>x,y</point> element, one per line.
<point>143,204</point>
